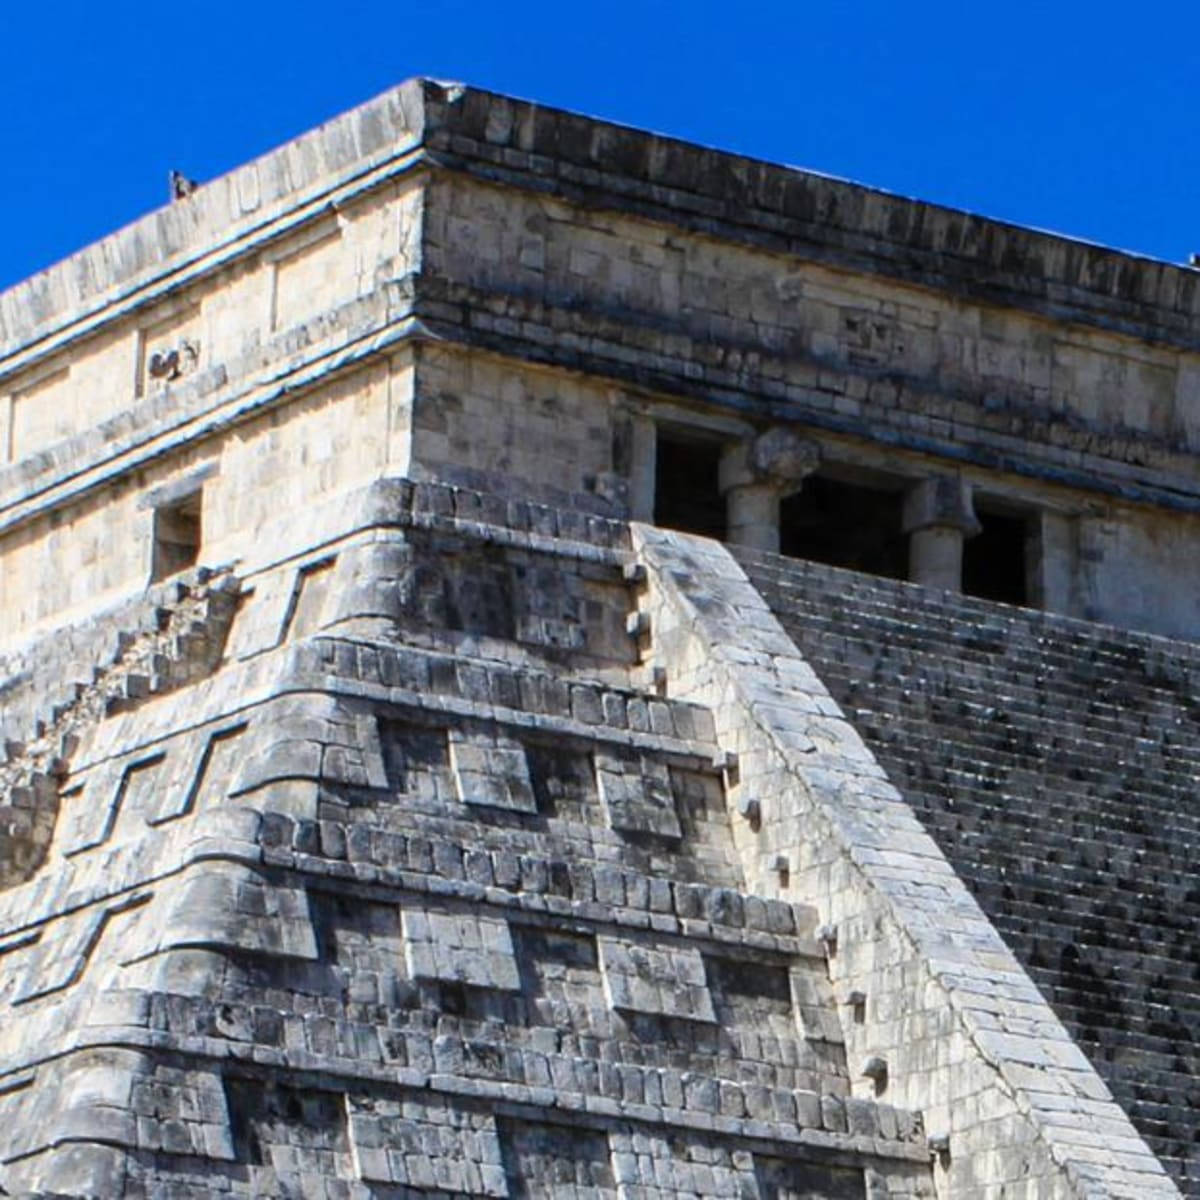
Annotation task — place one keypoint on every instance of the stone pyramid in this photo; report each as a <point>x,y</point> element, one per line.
<point>394,806</point>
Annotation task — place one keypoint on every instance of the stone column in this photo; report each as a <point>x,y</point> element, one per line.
<point>938,517</point>
<point>755,475</point>
<point>643,450</point>
<point>1050,569</point>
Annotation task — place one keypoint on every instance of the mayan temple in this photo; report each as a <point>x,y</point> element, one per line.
<point>539,660</point>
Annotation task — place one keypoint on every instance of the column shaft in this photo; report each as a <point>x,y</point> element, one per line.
<point>935,557</point>
<point>752,515</point>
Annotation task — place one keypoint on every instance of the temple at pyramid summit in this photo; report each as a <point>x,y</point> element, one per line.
<point>540,660</point>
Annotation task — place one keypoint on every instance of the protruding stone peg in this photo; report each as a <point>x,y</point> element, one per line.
<point>658,680</point>
<point>876,1070</point>
<point>726,761</point>
<point>749,808</point>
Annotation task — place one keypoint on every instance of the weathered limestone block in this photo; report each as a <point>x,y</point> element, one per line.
<point>27,819</point>
<point>561,1157</point>
<point>283,1135</point>
<point>645,978</point>
<point>491,769</point>
<point>637,794</point>
<point>653,1167</point>
<point>460,948</point>
<point>230,905</point>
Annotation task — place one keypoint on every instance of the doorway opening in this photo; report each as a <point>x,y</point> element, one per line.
<point>687,491</point>
<point>995,561</point>
<point>846,523</point>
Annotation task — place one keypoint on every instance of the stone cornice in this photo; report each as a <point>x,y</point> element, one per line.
<point>601,165</point>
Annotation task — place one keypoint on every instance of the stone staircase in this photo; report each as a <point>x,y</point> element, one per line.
<point>1056,763</point>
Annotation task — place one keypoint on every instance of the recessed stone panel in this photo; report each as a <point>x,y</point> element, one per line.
<point>791,1179</point>
<point>426,1144</point>
<point>651,1166</point>
<point>289,1130</point>
<point>636,790</point>
<point>556,1160</point>
<point>416,760</point>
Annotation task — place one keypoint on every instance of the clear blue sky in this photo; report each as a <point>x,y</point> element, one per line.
<point>1075,117</point>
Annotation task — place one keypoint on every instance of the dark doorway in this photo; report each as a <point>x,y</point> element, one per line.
<point>687,493</point>
<point>846,525</point>
<point>994,560</point>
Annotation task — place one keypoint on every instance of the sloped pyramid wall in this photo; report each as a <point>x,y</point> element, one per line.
<point>430,887</point>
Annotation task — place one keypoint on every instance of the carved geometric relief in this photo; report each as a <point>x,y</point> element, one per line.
<point>109,791</point>
<point>19,1102</point>
<point>460,948</point>
<point>427,1144</point>
<point>138,791</point>
<point>168,351</point>
<point>203,773</point>
<point>491,769</point>
<point>665,980</point>
<point>264,609</point>
<point>17,955</point>
<point>307,604</point>
<point>636,791</point>
<point>62,955</point>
